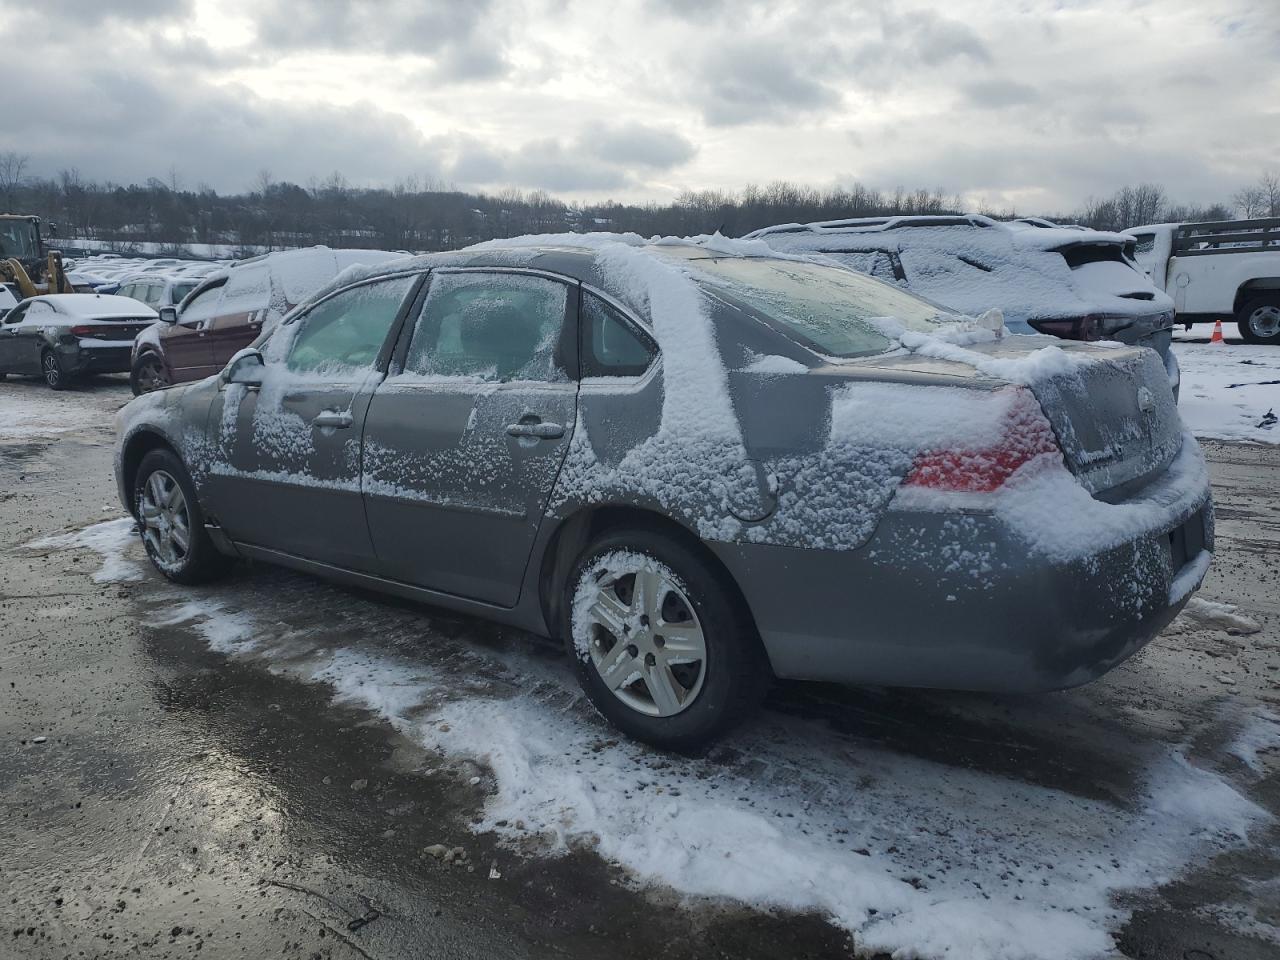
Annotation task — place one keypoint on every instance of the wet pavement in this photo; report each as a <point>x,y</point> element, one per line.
<point>172,784</point>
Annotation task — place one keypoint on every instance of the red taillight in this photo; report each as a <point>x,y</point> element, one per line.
<point>1077,328</point>
<point>1025,435</point>
<point>84,331</point>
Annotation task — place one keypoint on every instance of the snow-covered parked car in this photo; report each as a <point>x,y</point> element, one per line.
<point>698,465</point>
<point>61,336</point>
<point>228,311</point>
<point>158,291</point>
<point>10,297</point>
<point>1066,281</point>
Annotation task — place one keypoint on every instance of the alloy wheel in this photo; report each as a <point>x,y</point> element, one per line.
<point>52,372</point>
<point>166,520</point>
<point>642,635</point>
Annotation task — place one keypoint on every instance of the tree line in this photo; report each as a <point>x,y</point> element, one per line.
<point>425,215</point>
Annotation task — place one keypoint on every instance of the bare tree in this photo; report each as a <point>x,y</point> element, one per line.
<point>1250,201</point>
<point>12,167</point>
<point>1269,188</point>
<point>263,181</point>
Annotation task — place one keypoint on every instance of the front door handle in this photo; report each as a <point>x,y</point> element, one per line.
<point>539,430</point>
<point>341,419</point>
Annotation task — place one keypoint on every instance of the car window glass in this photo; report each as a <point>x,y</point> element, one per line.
<point>341,336</point>
<point>1146,242</point>
<point>180,290</point>
<point>875,263</point>
<point>247,289</point>
<point>491,326</point>
<point>611,347</point>
<point>15,315</point>
<point>831,310</point>
<point>40,309</point>
<point>151,295</point>
<point>204,306</point>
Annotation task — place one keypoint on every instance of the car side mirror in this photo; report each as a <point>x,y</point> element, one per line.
<point>168,314</point>
<point>247,367</point>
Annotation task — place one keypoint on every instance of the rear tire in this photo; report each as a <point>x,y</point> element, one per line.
<point>676,688</point>
<point>171,522</point>
<point>1258,320</point>
<point>55,377</point>
<point>147,374</point>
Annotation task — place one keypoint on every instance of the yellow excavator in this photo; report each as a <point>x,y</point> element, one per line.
<point>27,261</point>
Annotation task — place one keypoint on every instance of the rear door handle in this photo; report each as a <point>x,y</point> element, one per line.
<point>340,419</point>
<point>539,430</point>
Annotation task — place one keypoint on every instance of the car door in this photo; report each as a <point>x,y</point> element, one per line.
<point>29,336</point>
<point>287,473</point>
<point>11,345</point>
<point>239,318</point>
<point>186,343</point>
<point>463,444</point>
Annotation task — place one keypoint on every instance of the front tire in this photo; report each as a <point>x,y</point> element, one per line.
<point>660,644</point>
<point>1259,320</point>
<point>55,376</point>
<point>172,523</point>
<point>148,374</point>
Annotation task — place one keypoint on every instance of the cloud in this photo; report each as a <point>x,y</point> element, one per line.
<point>1000,93</point>
<point>465,41</point>
<point>601,157</point>
<point>90,13</point>
<point>751,81</point>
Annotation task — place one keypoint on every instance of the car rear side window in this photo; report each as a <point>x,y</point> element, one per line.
<point>490,326</point>
<point>341,336</point>
<point>829,309</point>
<point>611,347</point>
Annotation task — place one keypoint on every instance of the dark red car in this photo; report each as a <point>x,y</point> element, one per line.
<point>228,310</point>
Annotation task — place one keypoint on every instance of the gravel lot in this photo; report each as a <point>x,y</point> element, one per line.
<point>280,767</point>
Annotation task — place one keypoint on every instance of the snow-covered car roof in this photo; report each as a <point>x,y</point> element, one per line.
<point>1030,269</point>
<point>93,306</point>
<point>1030,232</point>
<point>302,272</point>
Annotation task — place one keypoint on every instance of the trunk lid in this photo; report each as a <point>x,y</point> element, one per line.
<point>1114,415</point>
<point>110,330</point>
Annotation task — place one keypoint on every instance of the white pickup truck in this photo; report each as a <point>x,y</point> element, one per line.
<point>1228,270</point>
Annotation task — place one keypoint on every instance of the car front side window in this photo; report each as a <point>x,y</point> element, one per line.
<point>203,306</point>
<point>494,327</point>
<point>341,336</point>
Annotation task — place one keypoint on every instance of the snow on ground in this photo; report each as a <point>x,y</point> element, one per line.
<point>912,856</point>
<point>29,414</point>
<point>1228,389</point>
<point>110,539</point>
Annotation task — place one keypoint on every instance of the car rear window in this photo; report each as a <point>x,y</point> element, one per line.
<point>828,309</point>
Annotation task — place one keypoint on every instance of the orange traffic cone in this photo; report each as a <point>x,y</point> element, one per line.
<point>1217,332</point>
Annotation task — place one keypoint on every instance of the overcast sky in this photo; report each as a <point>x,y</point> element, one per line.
<point>1022,103</point>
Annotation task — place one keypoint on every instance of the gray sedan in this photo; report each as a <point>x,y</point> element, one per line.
<point>62,336</point>
<point>698,466</point>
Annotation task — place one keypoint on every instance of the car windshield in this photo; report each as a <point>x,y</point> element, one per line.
<point>826,308</point>
<point>180,290</point>
<point>18,239</point>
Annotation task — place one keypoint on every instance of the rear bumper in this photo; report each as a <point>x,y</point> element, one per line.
<point>79,358</point>
<point>958,602</point>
